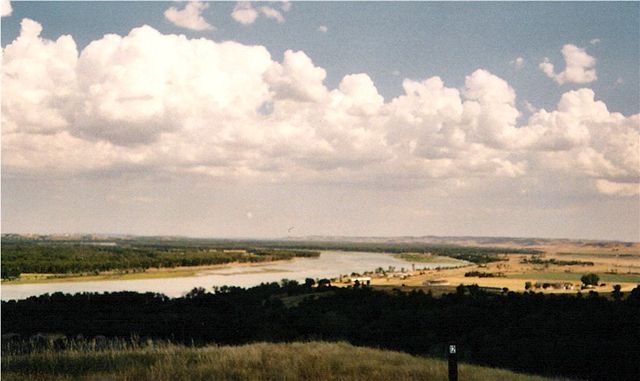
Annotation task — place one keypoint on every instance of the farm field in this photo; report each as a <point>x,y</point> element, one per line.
<point>559,261</point>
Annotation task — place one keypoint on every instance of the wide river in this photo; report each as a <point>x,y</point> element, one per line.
<point>329,264</point>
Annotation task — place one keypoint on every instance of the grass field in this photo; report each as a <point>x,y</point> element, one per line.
<point>261,361</point>
<point>608,255</point>
<point>631,278</point>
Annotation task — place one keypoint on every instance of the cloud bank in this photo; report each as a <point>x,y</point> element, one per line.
<point>168,104</point>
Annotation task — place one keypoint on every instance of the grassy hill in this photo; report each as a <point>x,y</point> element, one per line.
<point>262,361</point>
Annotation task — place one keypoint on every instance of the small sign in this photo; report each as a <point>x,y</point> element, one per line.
<point>453,362</point>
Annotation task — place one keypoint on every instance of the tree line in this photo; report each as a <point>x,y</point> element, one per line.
<point>18,258</point>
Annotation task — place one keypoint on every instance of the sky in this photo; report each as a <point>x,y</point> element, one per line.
<point>245,119</point>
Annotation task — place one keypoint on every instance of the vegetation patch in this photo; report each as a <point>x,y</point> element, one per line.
<point>535,260</point>
<point>260,361</point>
<point>427,258</point>
<point>480,274</point>
<point>60,258</point>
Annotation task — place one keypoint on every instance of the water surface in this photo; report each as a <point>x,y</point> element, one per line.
<point>329,264</point>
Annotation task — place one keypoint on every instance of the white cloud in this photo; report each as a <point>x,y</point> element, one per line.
<point>286,5</point>
<point>618,189</point>
<point>190,17</point>
<point>5,8</point>
<point>246,14</point>
<point>518,63</point>
<point>169,104</point>
<point>272,13</point>
<point>323,29</point>
<point>580,66</point>
<point>38,82</point>
<point>297,78</point>
<point>594,41</point>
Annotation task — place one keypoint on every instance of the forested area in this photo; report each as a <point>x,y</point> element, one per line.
<point>585,336</point>
<point>74,257</point>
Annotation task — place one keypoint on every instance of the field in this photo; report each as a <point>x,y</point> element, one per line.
<point>261,361</point>
<point>575,277</point>
<point>613,262</point>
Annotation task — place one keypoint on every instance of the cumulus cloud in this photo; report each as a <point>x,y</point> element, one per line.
<point>583,137</point>
<point>297,78</point>
<point>580,66</point>
<point>245,13</point>
<point>5,8</point>
<point>323,29</point>
<point>38,82</point>
<point>190,17</point>
<point>165,103</point>
<point>594,41</point>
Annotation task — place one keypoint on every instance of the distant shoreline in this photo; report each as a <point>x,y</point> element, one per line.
<point>151,273</point>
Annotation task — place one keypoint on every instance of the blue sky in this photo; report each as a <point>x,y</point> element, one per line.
<point>495,147</point>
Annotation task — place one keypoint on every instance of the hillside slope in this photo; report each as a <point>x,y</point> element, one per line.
<point>261,361</point>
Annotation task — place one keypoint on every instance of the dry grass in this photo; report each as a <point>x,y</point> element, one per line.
<point>262,361</point>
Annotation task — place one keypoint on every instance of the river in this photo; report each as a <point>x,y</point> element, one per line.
<point>329,264</point>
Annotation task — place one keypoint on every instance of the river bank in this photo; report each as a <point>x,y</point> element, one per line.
<point>330,264</point>
<point>133,274</point>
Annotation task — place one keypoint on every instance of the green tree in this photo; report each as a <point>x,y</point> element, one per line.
<point>309,282</point>
<point>616,294</point>
<point>590,279</point>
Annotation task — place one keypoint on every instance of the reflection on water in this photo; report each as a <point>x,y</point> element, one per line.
<point>330,264</point>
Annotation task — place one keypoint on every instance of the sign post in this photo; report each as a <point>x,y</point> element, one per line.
<point>453,362</point>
